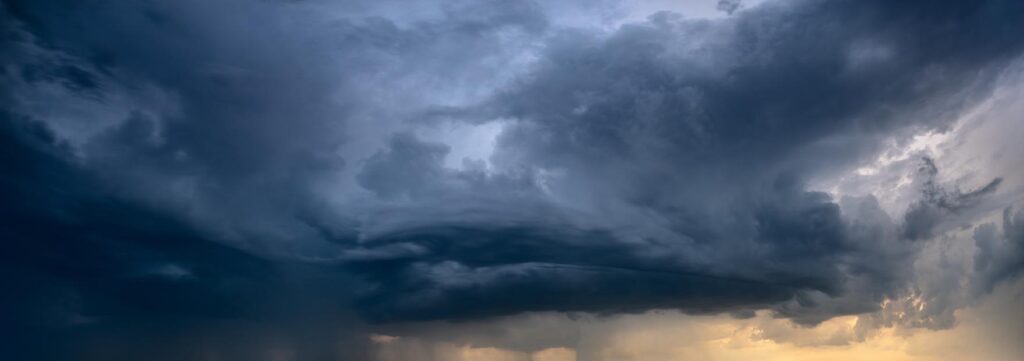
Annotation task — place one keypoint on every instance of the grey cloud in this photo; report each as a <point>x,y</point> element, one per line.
<point>693,139</point>
<point>999,259</point>
<point>729,6</point>
<point>662,165</point>
<point>251,129</point>
<point>81,280</point>
<point>410,171</point>
<point>406,168</point>
<point>261,104</point>
<point>938,203</point>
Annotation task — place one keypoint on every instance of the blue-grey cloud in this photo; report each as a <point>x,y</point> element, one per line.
<point>697,137</point>
<point>271,170</point>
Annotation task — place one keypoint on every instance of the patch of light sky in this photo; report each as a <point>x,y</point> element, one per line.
<point>979,147</point>
<point>468,143</point>
<point>609,15</point>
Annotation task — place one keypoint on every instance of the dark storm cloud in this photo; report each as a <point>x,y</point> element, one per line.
<point>92,276</point>
<point>469,272</point>
<point>123,243</point>
<point>704,132</point>
<point>258,104</point>
<point>662,165</point>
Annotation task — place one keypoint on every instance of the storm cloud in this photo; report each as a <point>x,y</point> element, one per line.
<point>195,176</point>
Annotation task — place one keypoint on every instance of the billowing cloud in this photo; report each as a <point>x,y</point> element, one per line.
<point>683,148</point>
<point>297,173</point>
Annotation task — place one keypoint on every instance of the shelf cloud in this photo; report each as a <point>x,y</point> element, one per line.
<point>318,180</point>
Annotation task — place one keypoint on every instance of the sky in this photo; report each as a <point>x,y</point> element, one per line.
<point>489,180</point>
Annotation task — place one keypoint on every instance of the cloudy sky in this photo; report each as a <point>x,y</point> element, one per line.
<point>478,180</point>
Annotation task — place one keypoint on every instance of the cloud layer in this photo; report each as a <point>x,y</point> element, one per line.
<point>287,172</point>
